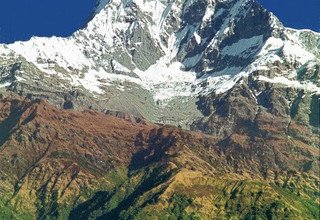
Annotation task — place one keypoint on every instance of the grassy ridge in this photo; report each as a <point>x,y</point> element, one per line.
<point>161,193</point>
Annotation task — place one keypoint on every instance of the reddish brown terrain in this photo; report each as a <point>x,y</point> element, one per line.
<point>72,164</point>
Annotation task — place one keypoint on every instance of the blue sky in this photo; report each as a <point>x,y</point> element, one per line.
<point>296,13</point>
<point>21,19</point>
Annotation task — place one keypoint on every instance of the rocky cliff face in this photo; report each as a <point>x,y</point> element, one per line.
<point>155,58</point>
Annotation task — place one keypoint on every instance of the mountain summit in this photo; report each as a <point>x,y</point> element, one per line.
<point>163,53</point>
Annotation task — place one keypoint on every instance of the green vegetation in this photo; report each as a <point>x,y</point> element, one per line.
<point>7,211</point>
<point>140,196</point>
<point>177,208</point>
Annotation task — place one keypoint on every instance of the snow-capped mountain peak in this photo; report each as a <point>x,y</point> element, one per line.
<point>173,48</point>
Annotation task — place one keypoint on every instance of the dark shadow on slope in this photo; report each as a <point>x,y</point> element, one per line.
<point>314,117</point>
<point>154,179</point>
<point>97,206</point>
<point>158,143</point>
<point>84,210</point>
<point>11,121</point>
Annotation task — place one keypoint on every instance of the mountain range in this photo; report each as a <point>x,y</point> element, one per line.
<point>163,109</point>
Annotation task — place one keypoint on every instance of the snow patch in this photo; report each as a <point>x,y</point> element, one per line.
<point>166,81</point>
<point>119,67</point>
<point>243,47</point>
<point>197,37</point>
<point>101,5</point>
<point>209,13</point>
<point>64,52</point>
<point>307,86</point>
<point>294,52</point>
<point>2,85</point>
